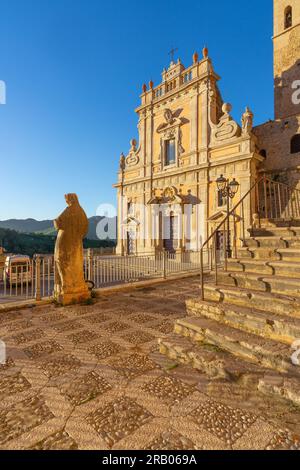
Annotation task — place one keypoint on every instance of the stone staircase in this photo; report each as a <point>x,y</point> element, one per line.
<point>248,323</point>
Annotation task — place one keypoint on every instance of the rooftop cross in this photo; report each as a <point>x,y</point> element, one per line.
<point>172,52</point>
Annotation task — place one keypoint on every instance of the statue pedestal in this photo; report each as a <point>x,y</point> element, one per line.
<point>74,297</point>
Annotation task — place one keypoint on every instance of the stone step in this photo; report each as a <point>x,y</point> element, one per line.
<point>218,364</point>
<point>273,241</point>
<point>277,327</point>
<point>274,303</point>
<point>289,254</point>
<point>285,254</point>
<point>209,360</point>
<point>275,231</point>
<point>265,352</point>
<point>284,387</point>
<point>277,268</point>
<point>258,282</point>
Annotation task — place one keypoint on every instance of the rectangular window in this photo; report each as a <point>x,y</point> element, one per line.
<point>221,199</point>
<point>169,152</point>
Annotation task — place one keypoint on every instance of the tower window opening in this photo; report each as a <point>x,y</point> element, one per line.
<point>263,153</point>
<point>295,144</point>
<point>288,17</point>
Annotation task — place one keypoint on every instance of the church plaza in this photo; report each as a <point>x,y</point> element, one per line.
<point>91,377</point>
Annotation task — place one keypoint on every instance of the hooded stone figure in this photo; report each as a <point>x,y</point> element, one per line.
<point>72,227</point>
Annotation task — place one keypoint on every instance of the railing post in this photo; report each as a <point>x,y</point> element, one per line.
<point>38,278</point>
<point>235,234</point>
<point>201,275</point>
<point>216,260</point>
<point>164,262</point>
<point>265,197</point>
<point>257,202</point>
<point>90,264</point>
<point>225,252</point>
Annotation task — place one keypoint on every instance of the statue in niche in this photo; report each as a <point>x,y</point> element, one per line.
<point>72,226</point>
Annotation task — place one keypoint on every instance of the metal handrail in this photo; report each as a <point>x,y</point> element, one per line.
<point>231,213</point>
<point>274,204</point>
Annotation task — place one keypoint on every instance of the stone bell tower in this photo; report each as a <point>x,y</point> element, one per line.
<point>286,57</point>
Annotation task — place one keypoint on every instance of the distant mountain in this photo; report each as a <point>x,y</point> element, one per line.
<point>45,227</point>
<point>33,243</point>
<point>26,225</point>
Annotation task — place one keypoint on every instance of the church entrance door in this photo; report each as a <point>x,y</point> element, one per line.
<point>171,233</point>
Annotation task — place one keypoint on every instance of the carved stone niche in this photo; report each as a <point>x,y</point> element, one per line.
<point>132,158</point>
<point>171,129</point>
<point>226,129</point>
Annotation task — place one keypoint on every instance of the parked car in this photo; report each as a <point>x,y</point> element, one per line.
<point>17,270</point>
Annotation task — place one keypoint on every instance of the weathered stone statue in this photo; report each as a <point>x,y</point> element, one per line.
<point>72,226</point>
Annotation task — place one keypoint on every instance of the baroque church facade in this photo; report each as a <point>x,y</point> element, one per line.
<point>168,197</point>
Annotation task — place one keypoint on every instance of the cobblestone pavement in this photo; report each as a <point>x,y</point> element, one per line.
<point>91,377</point>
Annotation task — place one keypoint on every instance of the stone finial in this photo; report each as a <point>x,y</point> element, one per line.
<point>72,226</point>
<point>195,57</point>
<point>144,88</point>
<point>151,84</point>
<point>205,52</point>
<point>226,108</point>
<point>227,128</point>
<point>256,221</point>
<point>133,145</point>
<point>247,121</point>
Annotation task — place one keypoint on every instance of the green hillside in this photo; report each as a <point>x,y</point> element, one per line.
<point>45,227</point>
<point>33,243</point>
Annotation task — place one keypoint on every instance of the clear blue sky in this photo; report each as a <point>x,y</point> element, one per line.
<point>74,71</point>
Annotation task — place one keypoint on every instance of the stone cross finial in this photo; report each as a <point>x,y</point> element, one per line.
<point>172,53</point>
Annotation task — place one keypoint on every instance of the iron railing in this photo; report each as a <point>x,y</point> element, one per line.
<point>111,270</point>
<point>35,279</point>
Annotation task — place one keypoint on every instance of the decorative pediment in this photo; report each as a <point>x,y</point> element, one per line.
<point>217,216</point>
<point>130,222</point>
<point>220,215</point>
<point>226,129</point>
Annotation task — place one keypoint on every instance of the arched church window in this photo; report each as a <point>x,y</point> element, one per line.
<point>288,17</point>
<point>295,144</point>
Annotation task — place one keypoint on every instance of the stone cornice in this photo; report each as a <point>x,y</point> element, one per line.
<point>204,166</point>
